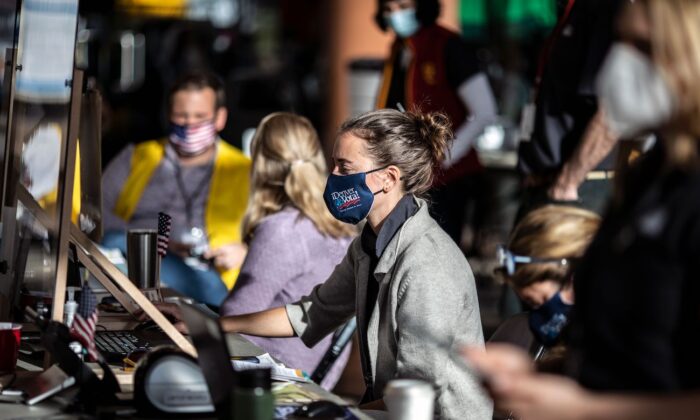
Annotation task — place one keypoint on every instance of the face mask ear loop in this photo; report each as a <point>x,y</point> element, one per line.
<point>375,170</point>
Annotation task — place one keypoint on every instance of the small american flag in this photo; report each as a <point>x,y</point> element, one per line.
<point>164,222</point>
<point>85,322</point>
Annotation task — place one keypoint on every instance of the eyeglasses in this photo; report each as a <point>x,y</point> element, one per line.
<point>507,260</point>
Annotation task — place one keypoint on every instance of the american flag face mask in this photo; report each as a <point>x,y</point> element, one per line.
<point>192,139</point>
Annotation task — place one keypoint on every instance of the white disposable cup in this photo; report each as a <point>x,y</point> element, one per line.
<point>409,399</point>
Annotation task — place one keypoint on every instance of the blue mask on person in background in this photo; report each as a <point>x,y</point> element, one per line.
<point>348,197</point>
<point>547,321</point>
<point>404,22</point>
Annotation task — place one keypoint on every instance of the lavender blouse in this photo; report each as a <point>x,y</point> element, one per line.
<point>286,258</point>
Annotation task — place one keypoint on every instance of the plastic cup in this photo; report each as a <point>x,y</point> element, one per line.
<point>409,399</point>
<point>9,346</point>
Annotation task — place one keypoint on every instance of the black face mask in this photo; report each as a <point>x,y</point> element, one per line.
<point>547,321</point>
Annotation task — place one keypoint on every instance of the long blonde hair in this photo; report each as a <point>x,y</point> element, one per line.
<point>289,169</point>
<point>551,232</point>
<point>675,42</point>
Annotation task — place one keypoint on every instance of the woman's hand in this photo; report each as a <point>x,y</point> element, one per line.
<point>499,361</point>
<point>171,311</point>
<point>515,387</point>
<point>227,257</point>
<point>544,397</point>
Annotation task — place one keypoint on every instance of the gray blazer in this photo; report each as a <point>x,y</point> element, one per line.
<point>425,283</point>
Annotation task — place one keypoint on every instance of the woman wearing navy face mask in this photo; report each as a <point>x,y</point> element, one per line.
<point>403,277</point>
<point>538,264</point>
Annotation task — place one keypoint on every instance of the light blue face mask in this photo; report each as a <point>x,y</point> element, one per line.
<point>403,22</point>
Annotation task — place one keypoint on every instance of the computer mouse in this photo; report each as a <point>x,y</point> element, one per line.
<point>321,409</point>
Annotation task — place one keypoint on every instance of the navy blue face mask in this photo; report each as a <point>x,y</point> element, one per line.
<point>348,197</point>
<point>547,321</point>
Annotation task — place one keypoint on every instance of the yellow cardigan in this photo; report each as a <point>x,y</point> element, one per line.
<point>228,193</point>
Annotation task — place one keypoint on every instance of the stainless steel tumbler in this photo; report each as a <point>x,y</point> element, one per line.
<point>143,264</point>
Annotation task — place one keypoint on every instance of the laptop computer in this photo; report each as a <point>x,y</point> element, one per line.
<point>116,345</point>
<point>215,360</point>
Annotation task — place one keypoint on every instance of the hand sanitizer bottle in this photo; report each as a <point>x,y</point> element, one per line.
<point>70,307</point>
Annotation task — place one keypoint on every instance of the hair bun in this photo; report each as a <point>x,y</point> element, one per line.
<point>435,129</point>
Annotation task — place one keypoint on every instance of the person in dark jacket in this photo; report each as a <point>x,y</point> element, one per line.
<point>431,68</point>
<point>635,324</point>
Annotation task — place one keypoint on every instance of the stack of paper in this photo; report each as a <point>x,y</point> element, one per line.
<point>279,371</point>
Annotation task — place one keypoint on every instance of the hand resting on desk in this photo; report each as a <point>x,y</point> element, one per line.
<point>171,311</point>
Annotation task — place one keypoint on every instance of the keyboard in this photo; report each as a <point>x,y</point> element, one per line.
<point>116,345</point>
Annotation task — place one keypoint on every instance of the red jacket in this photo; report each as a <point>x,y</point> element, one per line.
<point>427,87</point>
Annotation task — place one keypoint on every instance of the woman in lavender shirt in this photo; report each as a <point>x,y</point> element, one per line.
<point>294,243</point>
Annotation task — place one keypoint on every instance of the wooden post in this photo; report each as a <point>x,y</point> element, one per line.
<point>65,192</point>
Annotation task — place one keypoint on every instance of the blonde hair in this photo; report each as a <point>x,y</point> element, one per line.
<point>288,169</point>
<point>551,232</point>
<point>675,44</point>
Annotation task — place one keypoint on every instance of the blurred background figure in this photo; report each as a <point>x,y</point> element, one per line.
<point>539,261</point>
<point>564,154</point>
<point>431,68</point>
<point>195,177</point>
<point>631,331</point>
<point>532,396</point>
<point>637,335</point>
<point>293,241</point>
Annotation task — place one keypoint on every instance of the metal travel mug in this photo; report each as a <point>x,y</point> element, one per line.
<point>142,259</point>
<point>409,399</point>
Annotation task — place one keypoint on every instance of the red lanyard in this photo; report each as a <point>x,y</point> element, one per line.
<point>546,52</point>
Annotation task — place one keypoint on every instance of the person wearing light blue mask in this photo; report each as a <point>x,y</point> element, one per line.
<point>431,67</point>
<point>402,277</point>
<point>403,21</point>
